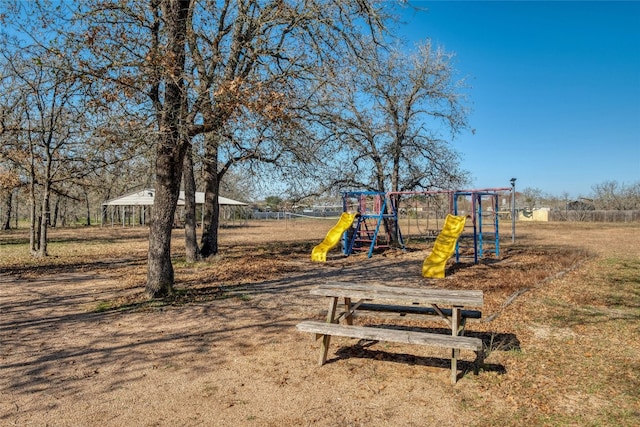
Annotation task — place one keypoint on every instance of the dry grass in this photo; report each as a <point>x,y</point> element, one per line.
<point>561,326</point>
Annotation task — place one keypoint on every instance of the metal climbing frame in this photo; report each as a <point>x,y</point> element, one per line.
<point>479,212</point>
<point>484,217</point>
<point>375,223</point>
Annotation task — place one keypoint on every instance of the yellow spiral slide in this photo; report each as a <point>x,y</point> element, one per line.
<point>444,246</point>
<point>332,239</point>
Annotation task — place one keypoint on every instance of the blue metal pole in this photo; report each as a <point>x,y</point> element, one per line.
<point>496,224</point>
<point>480,237</point>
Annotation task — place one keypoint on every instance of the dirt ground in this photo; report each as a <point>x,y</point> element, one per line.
<point>79,345</point>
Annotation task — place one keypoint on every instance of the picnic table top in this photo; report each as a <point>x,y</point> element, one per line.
<point>453,297</point>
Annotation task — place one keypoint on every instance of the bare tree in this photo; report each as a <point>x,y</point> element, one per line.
<point>189,182</point>
<point>9,182</point>
<point>241,59</point>
<point>531,197</point>
<point>632,194</point>
<point>169,103</point>
<point>391,117</point>
<point>134,54</point>
<point>249,58</point>
<point>615,196</point>
<point>48,128</point>
<point>10,158</point>
<point>53,130</point>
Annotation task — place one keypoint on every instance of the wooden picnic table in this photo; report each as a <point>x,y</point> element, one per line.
<point>453,306</point>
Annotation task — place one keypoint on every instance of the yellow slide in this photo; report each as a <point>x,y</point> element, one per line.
<point>319,252</point>
<point>444,247</point>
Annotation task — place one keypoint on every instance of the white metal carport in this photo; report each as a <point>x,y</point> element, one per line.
<point>136,203</point>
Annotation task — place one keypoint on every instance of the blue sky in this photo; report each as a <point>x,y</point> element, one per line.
<point>555,89</point>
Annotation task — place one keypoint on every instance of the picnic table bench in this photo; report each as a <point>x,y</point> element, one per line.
<point>450,305</point>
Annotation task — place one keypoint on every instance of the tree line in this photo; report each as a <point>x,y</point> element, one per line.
<point>316,96</point>
<point>606,196</point>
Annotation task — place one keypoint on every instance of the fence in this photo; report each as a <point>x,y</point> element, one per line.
<point>595,216</point>
<point>288,215</point>
<point>554,215</point>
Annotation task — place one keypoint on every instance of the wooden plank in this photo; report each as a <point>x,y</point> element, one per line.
<point>458,297</point>
<point>455,353</point>
<point>391,316</point>
<point>326,339</point>
<point>349,313</point>
<point>417,309</point>
<point>347,307</point>
<point>392,335</point>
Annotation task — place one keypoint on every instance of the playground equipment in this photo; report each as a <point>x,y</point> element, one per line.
<point>484,235</point>
<point>425,213</point>
<point>319,252</point>
<point>377,225</point>
<point>483,231</point>
<point>444,246</point>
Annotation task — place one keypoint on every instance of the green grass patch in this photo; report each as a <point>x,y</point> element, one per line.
<point>103,306</point>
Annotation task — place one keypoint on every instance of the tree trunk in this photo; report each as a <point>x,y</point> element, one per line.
<point>88,206</point>
<point>56,211</point>
<point>6,221</point>
<point>17,212</point>
<point>170,151</point>
<point>63,213</point>
<point>34,221</point>
<point>37,232</point>
<point>160,277</point>
<point>190,222</point>
<point>104,218</point>
<point>33,241</point>
<point>211,207</point>
<point>44,222</point>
